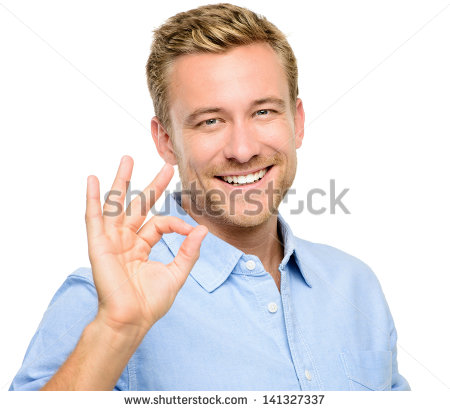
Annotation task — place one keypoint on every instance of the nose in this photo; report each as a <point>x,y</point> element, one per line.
<point>242,143</point>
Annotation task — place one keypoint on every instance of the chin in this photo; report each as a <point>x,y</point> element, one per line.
<point>241,219</point>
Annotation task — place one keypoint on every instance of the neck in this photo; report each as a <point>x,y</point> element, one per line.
<point>262,240</point>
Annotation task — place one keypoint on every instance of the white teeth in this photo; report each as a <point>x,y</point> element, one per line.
<point>250,178</point>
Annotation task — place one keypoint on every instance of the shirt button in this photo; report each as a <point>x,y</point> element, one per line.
<point>272,307</point>
<point>250,264</point>
<point>308,375</point>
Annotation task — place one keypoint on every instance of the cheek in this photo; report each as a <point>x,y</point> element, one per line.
<point>279,139</point>
<point>200,157</point>
<point>279,129</point>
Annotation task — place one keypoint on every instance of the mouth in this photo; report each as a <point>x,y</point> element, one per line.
<point>245,180</point>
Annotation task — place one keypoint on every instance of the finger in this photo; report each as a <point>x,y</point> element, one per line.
<point>188,254</point>
<point>152,231</point>
<point>113,207</point>
<point>94,220</point>
<point>138,209</point>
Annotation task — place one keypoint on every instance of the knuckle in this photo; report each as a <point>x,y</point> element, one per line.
<point>160,221</point>
<point>154,218</point>
<point>185,253</point>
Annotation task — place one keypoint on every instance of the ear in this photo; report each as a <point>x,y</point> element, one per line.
<point>163,142</point>
<point>299,123</point>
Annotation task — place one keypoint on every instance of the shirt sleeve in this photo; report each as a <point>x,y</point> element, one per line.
<point>399,383</point>
<point>71,309</point>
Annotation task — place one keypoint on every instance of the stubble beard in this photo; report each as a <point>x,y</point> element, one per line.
<point>203,201</point>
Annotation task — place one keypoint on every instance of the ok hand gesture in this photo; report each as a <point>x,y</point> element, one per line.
<point>134,292</point>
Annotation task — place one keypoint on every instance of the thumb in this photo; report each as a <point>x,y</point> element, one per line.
<point>188,254</point>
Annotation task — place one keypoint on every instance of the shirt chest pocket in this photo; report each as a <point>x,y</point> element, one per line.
<point>368,370</point>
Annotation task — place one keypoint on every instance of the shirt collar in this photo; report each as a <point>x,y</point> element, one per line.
<point>217,257</point>
<point>292,245</point>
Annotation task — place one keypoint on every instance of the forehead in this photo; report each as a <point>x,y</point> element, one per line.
<point>234,78</point>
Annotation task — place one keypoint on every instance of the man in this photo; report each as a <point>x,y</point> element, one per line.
<point>240,303</point>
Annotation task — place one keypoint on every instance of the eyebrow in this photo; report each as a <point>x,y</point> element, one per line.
<point>271,100</point>
<point>191,118</point>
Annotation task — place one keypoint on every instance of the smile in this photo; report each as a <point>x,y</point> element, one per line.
<point>239,180</point>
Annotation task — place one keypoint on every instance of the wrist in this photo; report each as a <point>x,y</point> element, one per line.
<point>119,337</point>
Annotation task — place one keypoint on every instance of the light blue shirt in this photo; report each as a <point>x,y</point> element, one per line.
<point>230,328</point>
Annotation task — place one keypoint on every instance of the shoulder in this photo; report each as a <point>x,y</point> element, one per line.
<point>331,265</point>
<point>343,280</point>
<point>77,289</point>
<point>83,274</point>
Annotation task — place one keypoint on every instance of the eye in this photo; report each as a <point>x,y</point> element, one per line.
<point>263,112</point>
<point>210,122</point>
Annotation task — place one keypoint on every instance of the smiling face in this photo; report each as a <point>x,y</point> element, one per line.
<point>234,133</point>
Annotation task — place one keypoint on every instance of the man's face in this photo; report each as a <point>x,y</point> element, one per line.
<point>231,116</point>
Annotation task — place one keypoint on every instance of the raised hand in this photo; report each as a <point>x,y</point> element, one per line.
<point>134,292</point>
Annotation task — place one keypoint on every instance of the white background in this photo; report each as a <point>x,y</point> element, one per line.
<point>374,82</point>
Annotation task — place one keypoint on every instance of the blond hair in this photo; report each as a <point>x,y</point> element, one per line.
<point>214,28</point>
